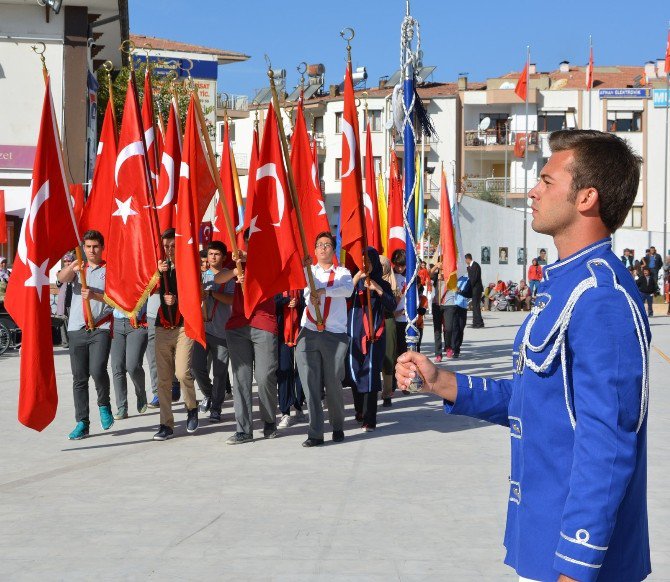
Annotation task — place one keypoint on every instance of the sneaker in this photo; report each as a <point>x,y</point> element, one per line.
<point>338,436</point>
<point>205,405</point>
<point>450,353</point>
<point>310,442</point>
<point>359,417</point>
<point>214,416</point>
<point>176,392</point>
<point>80,432</point>
<point>456,355</point>
<point>285,421</point>
<point>142,404</point>
<point>300,416</point>
<point>106,418</point>
<point>164,433</point>
<point>270,430</point>
<point>192,420</point>
<point>367,428</point>
<point>121,413</point>
<point>154,402</point>
<point>386,403</point>
<point>238,438</point>
<point>438,359</point>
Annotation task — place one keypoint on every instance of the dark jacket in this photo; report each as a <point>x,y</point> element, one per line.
<point>647,286</point>
<point>475,277</point>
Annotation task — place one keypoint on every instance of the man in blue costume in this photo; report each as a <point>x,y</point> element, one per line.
<point>576,406</point>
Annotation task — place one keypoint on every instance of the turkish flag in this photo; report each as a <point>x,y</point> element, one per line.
<point>47,233</point>
<point>196,189</point>
<point>152,140</point>
<point>100,204</point>
<point>447,237</point>
<point>396,228</point>
<point>229,200</point>
<point>314,217</point>
<point>351,227</point>
<point>3,219</point>
<point>370,197</point>
<point>667,56</point>
<point>131,267</point>
<point>521,88</point>
<point>520,145</point>
<point>273,260</point>
<point>168,177</point>
<point>77,194</point>
<point>589,72</point>
<point>251,180</point>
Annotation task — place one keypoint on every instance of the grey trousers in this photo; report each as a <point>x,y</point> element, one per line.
<point>127,354</point>
<point>151,354</point>
<point>217,349</point>
<point>253,352</point>
<point>320,357</point>
<point>89,352</point>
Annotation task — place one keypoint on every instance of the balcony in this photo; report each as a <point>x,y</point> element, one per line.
<point>496,190</point>
<point>491,140</point>
<point>320,139</point>
<point>236,105</point>
<point>428,145</point>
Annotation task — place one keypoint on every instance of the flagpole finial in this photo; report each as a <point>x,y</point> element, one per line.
<point>406,7</point>
<point>302,69</point>
<point>348,35</point>
<point>40,52</point>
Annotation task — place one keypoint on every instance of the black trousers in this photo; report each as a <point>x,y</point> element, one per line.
<point>438,327</point>
<point>366,404</point>
<point>89,352</point>
<point>455,319</point>
<point>288,380</point>
<point>401,345</point>
<point>477,320</point>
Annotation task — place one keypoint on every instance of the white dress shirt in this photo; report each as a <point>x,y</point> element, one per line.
<point>401,283</point>
<point>341,289</point>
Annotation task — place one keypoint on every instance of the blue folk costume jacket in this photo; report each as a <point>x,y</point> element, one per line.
<point>576,410</point>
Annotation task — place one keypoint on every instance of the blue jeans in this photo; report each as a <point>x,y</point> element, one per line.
<point>533,284</point>
<point>649,300</point>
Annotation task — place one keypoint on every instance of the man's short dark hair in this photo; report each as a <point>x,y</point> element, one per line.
<point>399,258</point>
<point>203,254</point>
<point>543,251</point>
<point>217,245</point>
<point>468,256</point>
<point>95,235</point>
<point>605,162</point>
<point>169,233</point>
<point>325,234</point>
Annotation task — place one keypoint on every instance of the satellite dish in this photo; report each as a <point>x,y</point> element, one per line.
<point>507,85</point>
<point>389,124</point>
<point>559,84</point>
<point>484,124</point>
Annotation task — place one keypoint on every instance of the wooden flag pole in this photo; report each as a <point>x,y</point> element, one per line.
<point>294,197</point>
<point>90,325</point>
<point>108,66</point>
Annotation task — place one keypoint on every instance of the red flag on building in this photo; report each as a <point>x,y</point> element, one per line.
<point>447,237</point>
<point>370,197</point>
<point>251,180</point>
<point>131,267</point>
<point>314,217</point>
<point>47,233</point>
<point>396,228</point>
<point>351,227</point>
<point>520,145</point>
<point>100,204</point>
<point>196,189</point>
<point>667,56</point>
<point>589,71</point>
<point>273,260</point>
<point>229,199</point>
<point>3,219</point>
<point>151,136</point>
<point>168,179</point>
<point>521,88</point>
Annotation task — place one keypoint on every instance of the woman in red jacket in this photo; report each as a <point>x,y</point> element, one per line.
<point>534,276</point>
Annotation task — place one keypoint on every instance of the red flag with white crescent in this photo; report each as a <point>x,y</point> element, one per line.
<point>305,173</point>
<point>229,199</point>
<point>168,179</point>
<point>447,237</point>
<point>396,228</point>
<point>196,189</point>
<point>589,71</point>
<point>521,88</point>
<point>100,204</point>
<point>351,178</point>
<point>47,233</point>
<point>370,197</point>
<point>152,138</point>
<point>273,260</point>
<point>251,180</point>
<point>132,266</point>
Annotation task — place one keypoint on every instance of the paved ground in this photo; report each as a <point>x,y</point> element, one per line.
<point>422,498</point>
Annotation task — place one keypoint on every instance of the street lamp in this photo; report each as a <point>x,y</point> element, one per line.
<point>53,4</point>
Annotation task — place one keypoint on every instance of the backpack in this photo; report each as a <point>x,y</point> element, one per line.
<point>463,287</point>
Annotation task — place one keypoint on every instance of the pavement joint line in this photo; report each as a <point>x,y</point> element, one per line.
<point>663,355</point>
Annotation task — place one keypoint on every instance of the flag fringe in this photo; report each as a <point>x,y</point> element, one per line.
<point>142,300</point>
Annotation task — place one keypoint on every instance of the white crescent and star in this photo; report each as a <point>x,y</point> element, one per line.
<point>38,277</point>
<point>270,171</point>
<point>168,164</point>
<point>350,136</point>
<point>41,196</point>
<point>397,232</point>
<point>123,209</point>
<point>132,149</point>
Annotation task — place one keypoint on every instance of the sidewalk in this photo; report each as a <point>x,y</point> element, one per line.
<point>423,498</point>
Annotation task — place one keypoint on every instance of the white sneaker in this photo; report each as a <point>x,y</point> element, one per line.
<point>285,421</point>
<point>300,416</point>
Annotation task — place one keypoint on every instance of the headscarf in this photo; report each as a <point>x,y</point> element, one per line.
<point>387,273</point>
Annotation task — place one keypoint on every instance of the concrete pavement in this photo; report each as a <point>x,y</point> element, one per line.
<point>422,498</point>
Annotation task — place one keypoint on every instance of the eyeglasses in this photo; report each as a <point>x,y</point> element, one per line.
<point>324,246</point>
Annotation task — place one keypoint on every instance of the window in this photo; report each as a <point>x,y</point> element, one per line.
<point>634,218</point>
<point>377,161</point>
<point>375,117</point>
<point>338,122</point>
<point>551,121</point>
<point>624,121</point>
<point>338,168</point>
<point>220,128</point>
<point>318,125</point>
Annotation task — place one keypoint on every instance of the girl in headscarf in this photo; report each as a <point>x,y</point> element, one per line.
<point>367,343</point>
<point>390,355</point>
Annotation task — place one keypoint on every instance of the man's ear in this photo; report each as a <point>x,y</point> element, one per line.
<point>587,199</point>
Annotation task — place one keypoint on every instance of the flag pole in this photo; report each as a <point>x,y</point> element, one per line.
<point>108,66</point>
<point>665,183</point>
<point>80,259</point>
<point>294,196</point>
<point>590,81</point>
<point>525,173</point>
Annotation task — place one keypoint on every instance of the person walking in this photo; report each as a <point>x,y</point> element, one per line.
<point>534,276</point>
<point>648,288</point>
<point>477,287</point>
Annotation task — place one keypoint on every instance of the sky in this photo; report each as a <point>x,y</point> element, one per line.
<point>483,39</point>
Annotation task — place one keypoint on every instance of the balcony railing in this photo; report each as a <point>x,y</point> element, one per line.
<point>232,102</point>
<point>495,137</point>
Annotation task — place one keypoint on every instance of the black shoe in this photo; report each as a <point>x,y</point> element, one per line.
<point>238,438</point>
<point>310,442</point>
<point>338,436</point>
<point>386,403</point>
<point>270,430</point>
<point>456,355</point>
<point>192,420</point>
<point>176,392</point>
<point>164,433</point>
<point>214,416</point>
<point>205,405</point>
<point>359,417</point>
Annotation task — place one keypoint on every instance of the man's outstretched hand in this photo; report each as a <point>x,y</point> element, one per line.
<point>438,381</point>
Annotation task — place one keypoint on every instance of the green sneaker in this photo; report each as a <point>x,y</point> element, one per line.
<point>142,404</point>
<point>121,413</point>
<point>106,418</point>
<point>80,432</point>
